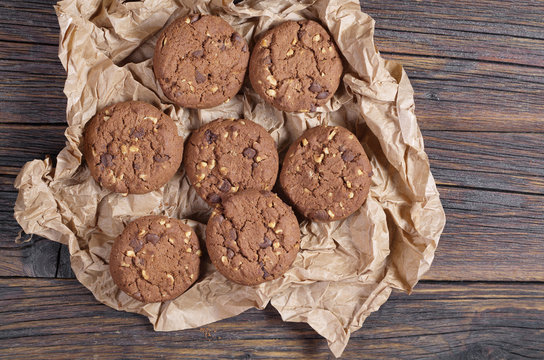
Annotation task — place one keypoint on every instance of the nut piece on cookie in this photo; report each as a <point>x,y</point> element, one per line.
<point>226,156</point>
<point>297,67</point>
<point>156,264</point>
<point>326,174</point>
<point>136,151</point>
<point>255,253</point>
<point>200,61</point>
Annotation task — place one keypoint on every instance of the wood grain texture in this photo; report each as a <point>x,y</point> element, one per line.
<point>29,21</point>
<point>490,235</point>
<point>486,30</point>
<point>35,258</point>
<point>470,95</point>
<point>60,319</point>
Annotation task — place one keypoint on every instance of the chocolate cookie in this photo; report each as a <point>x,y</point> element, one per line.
<point>132,147</point>
<point>227,156</point>
<point>155,258</point>
<point>295,66</point>
<point>200,61</point>
<point>326,173</point>
<point>253,237</point>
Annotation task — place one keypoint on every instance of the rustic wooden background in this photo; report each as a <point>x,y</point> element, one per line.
<point>477,68</point>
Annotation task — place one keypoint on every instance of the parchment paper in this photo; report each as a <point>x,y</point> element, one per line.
<point>345,270</point>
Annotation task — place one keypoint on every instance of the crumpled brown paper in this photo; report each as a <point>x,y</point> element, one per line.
<point>345,270</point>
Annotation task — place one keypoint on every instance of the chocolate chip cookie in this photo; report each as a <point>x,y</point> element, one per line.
<point>200,61</point>
<point>295,66</point>
<point>326,173</point>
<point>132,147</point>
<point>227,156</point>
<point>155,258</point>
<point>253,237</point>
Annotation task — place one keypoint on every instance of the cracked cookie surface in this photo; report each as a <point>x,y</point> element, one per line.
<point>155,259</point>
<point>253,237</point>
<point>226,156</point>
<point>295,66</point>
<point>326,173</point>
<point>132,147</point>
<point>200,61</point>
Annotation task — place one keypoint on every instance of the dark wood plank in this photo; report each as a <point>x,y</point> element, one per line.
<point>64,269</point>
<point>36,258</point>
<point>16,149</point>
<point>498,31</point>
<point>495,161</point>
<point>29,21</point>
<point>490,235</point>
<point>59,318</point>
<point>467,95</point>
<point>32,98</point>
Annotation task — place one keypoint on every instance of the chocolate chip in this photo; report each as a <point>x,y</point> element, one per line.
<point>214,198</point>
<point>106,159</point>
<point>244,48</point>
<point>230,253</point>
<point>348,156</point>
<point>267,60</point>
<point>320,215</point>
<point>254,165</point>
<point>137,133</point>
<point>136,244</point>
<point>195,18</point>
<point>199,77</point>
<point>136,166</point>
<point>265,273</point>
<point>267,242</point>
<point>315,87</point>
<point>249,152</point>
<point>140,261</point>
<point>236,37</point>
<point>152,238</point>
<point>198,53</point>
<point>225,186</point>
<point>233,235</point>
<point>322,95</point>
<point>161,158</point>
<point>210,136</point>
<point>313,108</point>
<point>300,34</point>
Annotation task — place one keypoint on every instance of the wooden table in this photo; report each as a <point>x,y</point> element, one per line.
<point>477,68</point>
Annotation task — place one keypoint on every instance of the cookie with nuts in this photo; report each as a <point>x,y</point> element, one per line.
<point>200,61</point>
<point>253,237</point>
<point>132,147</point>
<point>226,156</point>
<point>295,66</point>
<point>326,173</point>
<point>155,259</point>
